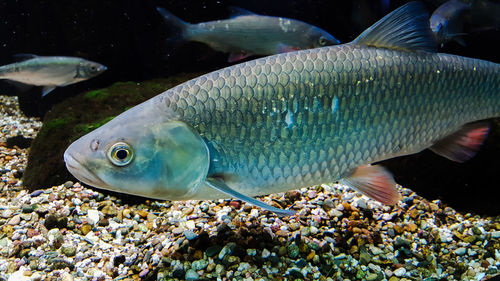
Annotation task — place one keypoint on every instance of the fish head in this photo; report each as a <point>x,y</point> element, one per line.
<point>438,26</point>
<point>320,38</point>
<point>88,69</point>
<point>142,152</point>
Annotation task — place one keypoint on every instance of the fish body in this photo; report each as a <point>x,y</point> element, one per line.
<point>447,21</point>
<point>51,72</point>
<point>250,34</point>
<point>298,119</point>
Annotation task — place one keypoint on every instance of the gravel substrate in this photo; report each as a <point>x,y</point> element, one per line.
<point>70,232</point>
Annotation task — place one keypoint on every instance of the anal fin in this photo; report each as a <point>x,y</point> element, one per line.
<point>463,144</point>
<point>375,182</point>
<point>222,187</point>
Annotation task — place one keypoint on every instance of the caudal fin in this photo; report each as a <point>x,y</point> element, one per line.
<point>177,27</point>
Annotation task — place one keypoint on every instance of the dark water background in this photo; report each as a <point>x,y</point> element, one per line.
<point>129,37</point>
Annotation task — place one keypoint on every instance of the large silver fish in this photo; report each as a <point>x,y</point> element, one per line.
<point>298,119</point>
<point>247,34</point>
<point>50,72</point>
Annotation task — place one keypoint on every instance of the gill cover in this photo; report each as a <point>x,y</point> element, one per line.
<point>186,156</point>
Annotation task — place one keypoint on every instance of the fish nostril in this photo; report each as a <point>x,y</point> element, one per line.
<point>94,144</point>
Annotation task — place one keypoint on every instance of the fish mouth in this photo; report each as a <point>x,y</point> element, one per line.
<point>81,173</point>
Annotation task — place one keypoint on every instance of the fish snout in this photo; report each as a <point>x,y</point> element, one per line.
<point>79,171</point>
<point>101,68</point>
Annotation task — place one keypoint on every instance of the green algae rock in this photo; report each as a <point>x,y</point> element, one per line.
<point>79,115</point>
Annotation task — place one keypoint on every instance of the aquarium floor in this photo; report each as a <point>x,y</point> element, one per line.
<point>71,232</point>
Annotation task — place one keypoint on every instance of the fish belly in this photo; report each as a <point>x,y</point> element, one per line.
<point>42,75</point>
<point>303,118</point>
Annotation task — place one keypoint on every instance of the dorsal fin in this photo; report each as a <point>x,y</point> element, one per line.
<point>24,57</point>
<point>238,12</point>
<point>406,28</point>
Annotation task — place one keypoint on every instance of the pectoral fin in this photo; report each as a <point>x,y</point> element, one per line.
<point>46,90</point>
<point>234,57</point>
<point>282,48</point>
<point>463,144</point>
<point>375,182</point>
<point>222,187</point>
<point>460,41</point>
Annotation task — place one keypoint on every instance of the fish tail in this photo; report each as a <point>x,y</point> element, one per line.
<point>177,27</point>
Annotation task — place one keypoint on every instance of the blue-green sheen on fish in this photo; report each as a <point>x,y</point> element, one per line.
<point>298,119</point>
<point>51,71</point>
<point>247,34</point>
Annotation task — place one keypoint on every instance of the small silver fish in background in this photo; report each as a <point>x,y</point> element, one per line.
<point>50,72</point>
<point>299,119</point>
<point>246,34</point>
<point>447,21</point>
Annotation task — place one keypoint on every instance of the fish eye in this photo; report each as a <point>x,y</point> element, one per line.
<point>120,154</point>
<point>322,41</point>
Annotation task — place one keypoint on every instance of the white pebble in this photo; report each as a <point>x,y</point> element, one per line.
<point>362,204</point>
<point>6,214</point>
<point>460,251</point>
<point>445,237</point>
<point>76,201</point>
<point>374,268</point>
<point>387,217</point>
<point>400,272</point>
<point>314,230</point>
<point>67,277</point>
<point>243,266</point>
<point>18,276</point>
<point>190,224</point>
<point>92,216</point>
<point>265,253</point>
<point>254,213</point>
<point>375,250</point>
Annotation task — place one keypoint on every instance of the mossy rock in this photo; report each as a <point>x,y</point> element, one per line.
<point>79,115</point>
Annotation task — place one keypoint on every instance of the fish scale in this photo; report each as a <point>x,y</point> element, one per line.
<point>404,100</point>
